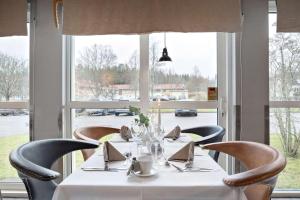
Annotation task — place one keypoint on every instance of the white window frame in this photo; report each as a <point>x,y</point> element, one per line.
<point>144,103</point>
<point>14,185</point>
<point>7,187</point>
<point>283,104</point>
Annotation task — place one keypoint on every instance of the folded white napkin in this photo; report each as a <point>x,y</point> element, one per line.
<point>186,153</point>
<point>110,153</point>
<point>174,134</point>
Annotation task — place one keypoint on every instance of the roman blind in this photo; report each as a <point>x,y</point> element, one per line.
<point>93,17</point>
<point>13,17</point>
<point>288,15</point>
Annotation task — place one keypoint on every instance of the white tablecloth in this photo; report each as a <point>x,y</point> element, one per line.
<point>168,184</point>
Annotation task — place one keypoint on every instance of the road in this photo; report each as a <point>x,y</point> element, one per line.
<point>13,125</point>
<point>169,121</point>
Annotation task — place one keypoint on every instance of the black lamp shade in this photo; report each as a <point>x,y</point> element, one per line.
<point>165,56</point>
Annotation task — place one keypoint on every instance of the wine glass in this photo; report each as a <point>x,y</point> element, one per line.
<point>137,134</point>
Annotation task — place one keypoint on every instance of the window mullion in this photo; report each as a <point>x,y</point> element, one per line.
<point>144,73</point>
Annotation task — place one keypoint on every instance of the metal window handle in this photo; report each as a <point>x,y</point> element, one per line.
<point>60,121</point>
<point>222,107</point>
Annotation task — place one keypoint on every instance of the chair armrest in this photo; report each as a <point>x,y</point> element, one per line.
<point>24,166</point>
<point>35,165</point>
<point>253,176</point>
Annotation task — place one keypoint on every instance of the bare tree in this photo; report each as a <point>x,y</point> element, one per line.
<point>92,65</point>
<point>154,57</point>
<point>197,85</point>
<point>12,75</point>
<point>133,63</point>
<point>284,70</point>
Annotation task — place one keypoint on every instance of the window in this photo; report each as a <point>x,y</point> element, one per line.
<point>284,82</point>
<point>14,97</point>
<point>112,72</point>
<point>106,68</point>
<point>193,70</point>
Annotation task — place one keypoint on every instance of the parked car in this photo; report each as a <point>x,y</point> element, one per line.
<point>186,112</point>
<point>162,98</point>
<point>124,111</point>
<point>22,112</point>
<point>80,110</point>
<point>7,112</point>
<point>97,112</point>
<point>111,111</point>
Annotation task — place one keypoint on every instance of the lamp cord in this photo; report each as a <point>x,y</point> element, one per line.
<point>165,38</point>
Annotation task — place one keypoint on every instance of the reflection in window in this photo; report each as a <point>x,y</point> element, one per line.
<point>284,59</point>
<point>115,117</point>
<point>106,68</point>
<point>284,136</point>
<point>14,86</point>
<point>284,64</point>
<point>14,131</point>
<point>14,70</point>
<point>193,68</point>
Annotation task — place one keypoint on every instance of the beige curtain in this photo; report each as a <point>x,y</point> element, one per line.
<point>92,17</point>
<point>288,15</point>
<point>13,17</point>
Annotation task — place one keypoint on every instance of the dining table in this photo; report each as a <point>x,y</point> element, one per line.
<point>90,181</point>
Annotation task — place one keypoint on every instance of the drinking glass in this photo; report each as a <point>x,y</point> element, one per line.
<point>137,134</point>
<point>156,149</point>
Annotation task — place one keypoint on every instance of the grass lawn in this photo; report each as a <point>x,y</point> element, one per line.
<point>289,178</point>
<point>8,143</point>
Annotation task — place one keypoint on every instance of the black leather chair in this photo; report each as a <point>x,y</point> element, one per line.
<point>209,134</point>
<point>33,162</point>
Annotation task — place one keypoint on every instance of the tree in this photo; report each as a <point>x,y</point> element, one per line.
<point>133,64</point>
<point>153,56</point>
<point>12,75</point>
<point>92,67</point>
<point>284,69</point>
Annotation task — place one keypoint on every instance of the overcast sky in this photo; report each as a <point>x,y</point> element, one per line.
<point>272,25</point>
<point>15,46</point>
<point>186,49</point>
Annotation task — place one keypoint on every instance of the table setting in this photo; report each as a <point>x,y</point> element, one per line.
<point>144,162</point>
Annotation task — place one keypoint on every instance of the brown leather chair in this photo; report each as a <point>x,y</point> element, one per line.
<point>262,162</point>
<point>93,133</point>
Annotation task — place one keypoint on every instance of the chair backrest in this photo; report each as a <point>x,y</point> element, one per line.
<point>33,162</point>
<point>262,162</point>
<point>92,133</point>
<point>209,134</point>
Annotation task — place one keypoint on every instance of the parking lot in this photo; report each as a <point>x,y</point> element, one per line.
<point>13,125</point>
<point>169,120</point>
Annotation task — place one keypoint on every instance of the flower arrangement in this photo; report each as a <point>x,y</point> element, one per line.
<point>142,119</point>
